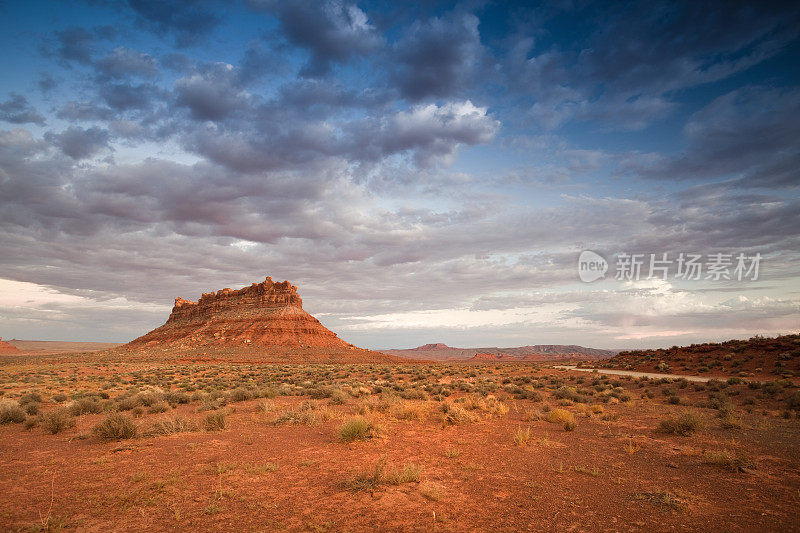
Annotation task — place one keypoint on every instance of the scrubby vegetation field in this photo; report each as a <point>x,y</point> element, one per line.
<point>420,447</point>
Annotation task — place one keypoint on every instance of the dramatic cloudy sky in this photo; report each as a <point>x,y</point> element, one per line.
<point>424,173</point>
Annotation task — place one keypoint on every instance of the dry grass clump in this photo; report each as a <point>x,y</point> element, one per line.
<point>215,421</point>
<point>489,404</point>
<point>563,417</point>
<point>455,415</point>
<point>11,412</point>
<point>522,436</point>
<point>158,407</point>
<point>56,420</point>
<point>410,410</point>
<point>308,414</point>
<point>171,426</point>
<point>85,406</point>
<point>664,498</point>
<point>373,478</point>
<point>116,426</point>
<point>358,428</point>
<point>728,460</point>
<point>684,425</point>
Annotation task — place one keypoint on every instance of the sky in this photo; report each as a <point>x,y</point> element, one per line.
<point>423,172</point>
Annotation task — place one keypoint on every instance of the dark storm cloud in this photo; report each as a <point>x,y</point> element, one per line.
<point>79,143</point>
<point>17,110</point>
<point>188,21</point>
<point>436,57</point>
<point>331,31</point>
<point>626,72</point>
<point>84,111</point>
<point>122,62</point>
<point>748,134</point>
<point>126,96</point>
<point>212,93</point>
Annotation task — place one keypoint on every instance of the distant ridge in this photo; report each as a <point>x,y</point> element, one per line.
<point>537,352</point>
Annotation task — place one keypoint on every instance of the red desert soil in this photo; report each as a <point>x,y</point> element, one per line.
<point>762,357</point>
<point>458,448</point>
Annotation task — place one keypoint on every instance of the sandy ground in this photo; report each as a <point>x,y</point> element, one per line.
<point>614,472</point>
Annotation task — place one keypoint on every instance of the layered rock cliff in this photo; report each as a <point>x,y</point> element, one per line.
<point>263,314</point>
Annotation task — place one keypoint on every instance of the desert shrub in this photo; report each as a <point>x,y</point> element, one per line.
<point>793,401</point>
<point>570,393</point>
<point>60,397</point>
<point>173,397</point>
<point>729,420</point>
<point>685,424</point>
<point>489,404</point>
<point>307,414</point>
<point>116,426</point>
<point>339,397</point>
<point>560,416</point>
<point>357,428</point>
<point>266,406</point>
<point>158,407</point>
<point>11,412</point>
<point>727,460</point>
<point>170,426</point>
<point>409,473</point>
<point>413,394</point>
<point>31,408</point>
<point>30,397</point>
<point>455,415</point>
<point>241,394</point>
<point>85,406</point>
<point>373,478</point>
<point>215,421</point>
<point>410,411</point>
<point>522,436</point>
<point>56,420</point>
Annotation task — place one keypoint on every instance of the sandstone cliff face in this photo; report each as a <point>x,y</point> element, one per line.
<point>263,314</point>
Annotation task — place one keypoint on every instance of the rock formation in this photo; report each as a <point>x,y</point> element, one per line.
<point>7,349</point>
<point>263,314</point>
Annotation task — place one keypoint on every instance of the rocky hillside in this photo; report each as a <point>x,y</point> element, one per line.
<point>757,356</point>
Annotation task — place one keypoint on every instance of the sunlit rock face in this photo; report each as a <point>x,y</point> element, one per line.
<point>263,314</point>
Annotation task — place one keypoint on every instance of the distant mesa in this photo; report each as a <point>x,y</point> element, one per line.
<point>263,322</point>
<point>7,349</point>
<point>263,314</point>
<point>538,352</point>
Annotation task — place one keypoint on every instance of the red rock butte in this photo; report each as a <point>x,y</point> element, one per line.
<point>7,349</point>
<point>263,314</point>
